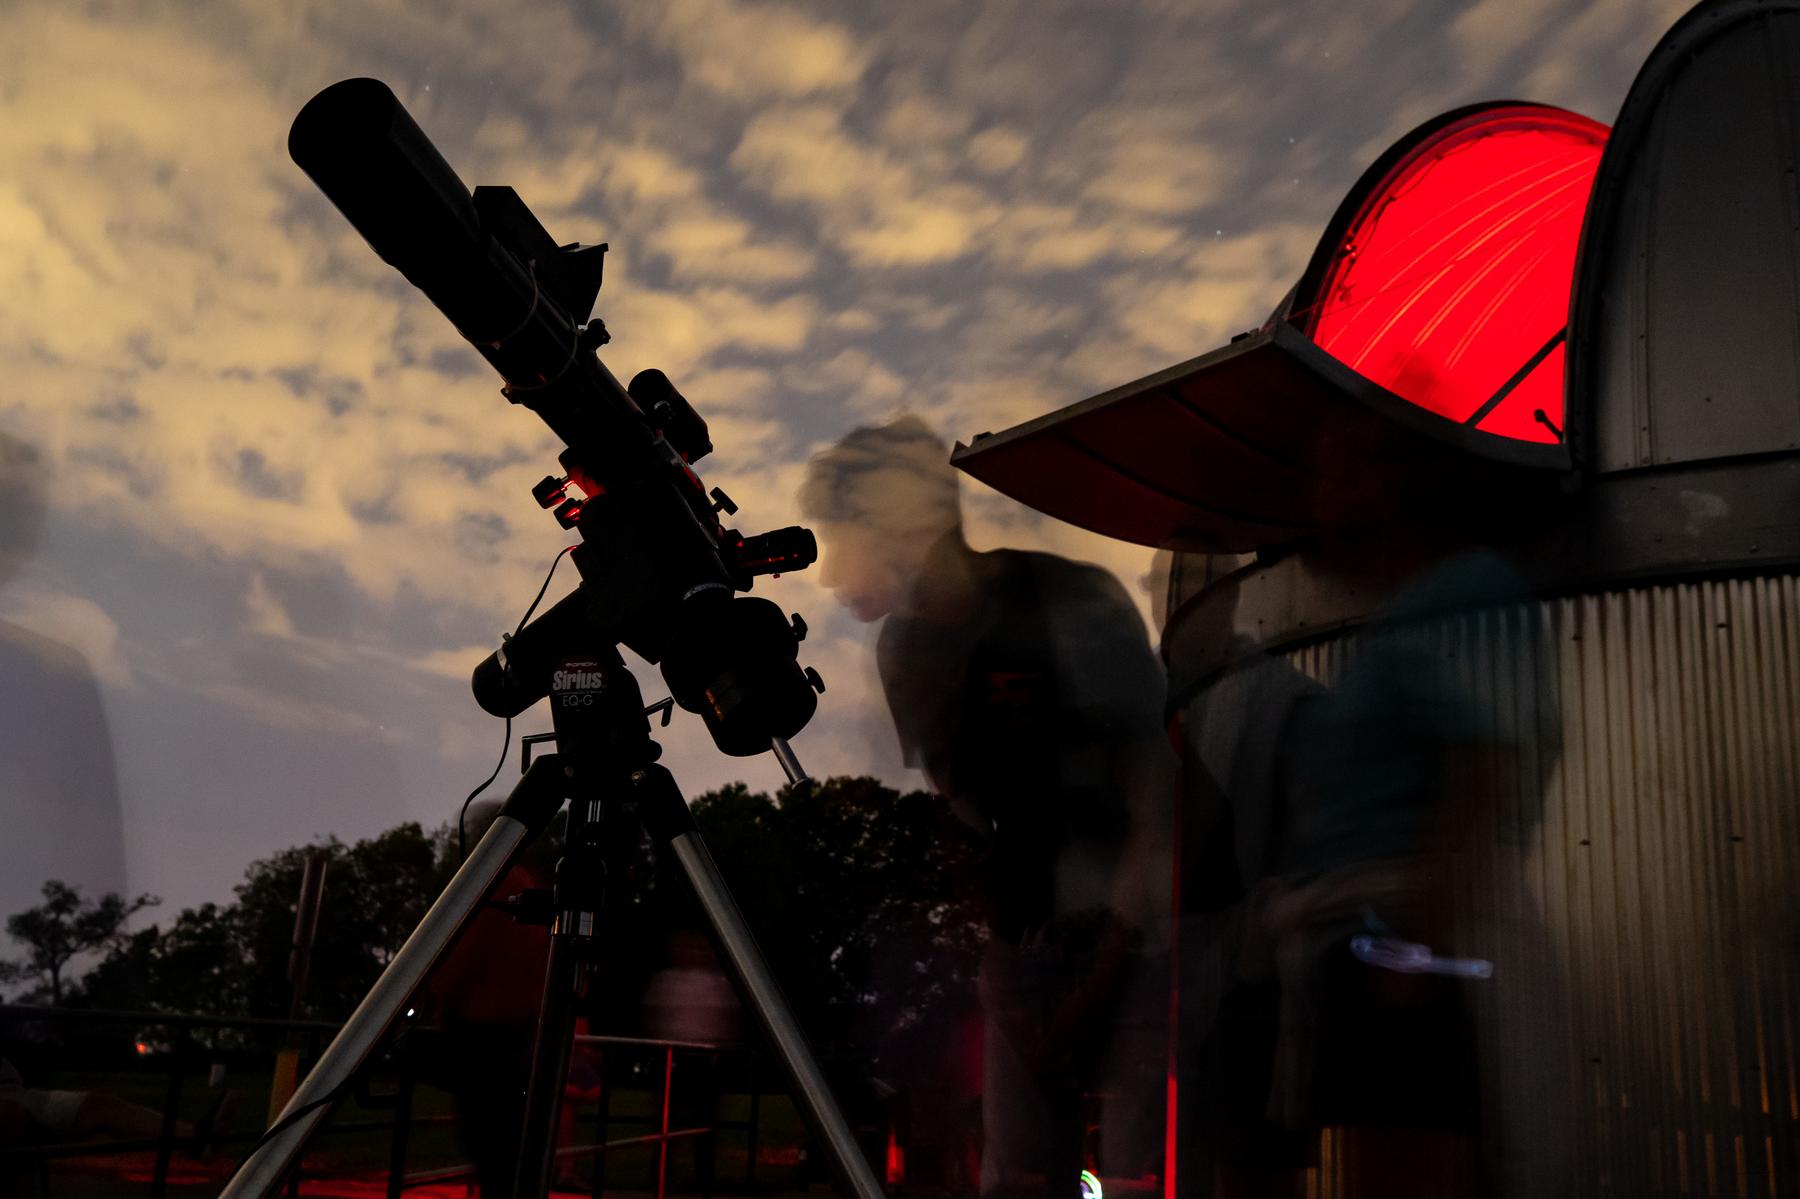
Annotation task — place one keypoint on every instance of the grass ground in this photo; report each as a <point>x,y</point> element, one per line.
<point>349,1157</point>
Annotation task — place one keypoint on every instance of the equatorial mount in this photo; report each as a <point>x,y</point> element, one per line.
<point>660,575</point>
<point>659,569</point>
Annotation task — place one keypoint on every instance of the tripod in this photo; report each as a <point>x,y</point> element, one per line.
<point>659,576</point>
<point>605,768</point>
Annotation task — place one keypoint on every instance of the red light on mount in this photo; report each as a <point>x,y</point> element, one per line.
<point>1450,286</point>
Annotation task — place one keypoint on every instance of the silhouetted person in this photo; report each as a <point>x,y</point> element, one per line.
<point>1023,686</point>
<point>59,798</point>
<point>1422,1011</point>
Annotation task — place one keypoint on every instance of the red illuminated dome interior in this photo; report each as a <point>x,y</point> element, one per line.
<point>1450,286</point>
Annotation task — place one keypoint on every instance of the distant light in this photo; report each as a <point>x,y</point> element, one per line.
<point>1090,1186</point>
<point>411,1012</point>
<point>142,1047</point>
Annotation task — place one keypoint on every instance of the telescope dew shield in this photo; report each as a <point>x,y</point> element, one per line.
<point>477,259</point>
<point>371,159</point>
<point>365,152</point>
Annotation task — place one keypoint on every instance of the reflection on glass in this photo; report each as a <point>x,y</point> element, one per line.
<point>59,798</point>
<point>1023,686</point>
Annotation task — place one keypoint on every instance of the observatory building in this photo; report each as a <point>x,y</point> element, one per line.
<point>1575,350</point>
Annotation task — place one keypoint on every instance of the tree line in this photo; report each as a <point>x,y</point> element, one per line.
<point>862,897</point>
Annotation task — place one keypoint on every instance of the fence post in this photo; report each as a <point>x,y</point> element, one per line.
<point>753,1135</point>
<point>706,1156</point>
<point>312,1055</point>
<point>601,1119</point>
<point>403,1104</point>
<point>306,928</point>
<point>165,1143</point>
<point>662,1145</point>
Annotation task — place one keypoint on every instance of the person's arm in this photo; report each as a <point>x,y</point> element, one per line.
<point>1120,688</point>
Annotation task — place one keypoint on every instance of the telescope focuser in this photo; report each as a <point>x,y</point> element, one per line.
<point>553,493</point>
<point>550,490</point>
<point>773,553</point>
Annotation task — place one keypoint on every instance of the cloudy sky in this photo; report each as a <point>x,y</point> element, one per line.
<point>287,508</point>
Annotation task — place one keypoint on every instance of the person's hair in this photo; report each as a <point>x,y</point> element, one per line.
<point>894,478</point>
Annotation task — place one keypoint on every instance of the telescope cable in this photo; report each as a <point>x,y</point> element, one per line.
<point>462,851</point>
<point>336,1092</point>
<point>289,1119</point>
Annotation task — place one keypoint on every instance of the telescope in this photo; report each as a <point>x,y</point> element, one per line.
<point>660,570</point>
<point>660,575</point>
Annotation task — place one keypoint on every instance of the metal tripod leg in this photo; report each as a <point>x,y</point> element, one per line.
<point>535,1169</point>
<point>528,809</point>
<point>601,839</point>
<point>666,815</point>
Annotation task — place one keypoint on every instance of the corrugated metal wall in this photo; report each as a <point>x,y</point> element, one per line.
<point>1640,895</point>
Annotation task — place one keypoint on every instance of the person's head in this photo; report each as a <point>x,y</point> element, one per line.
<point>690,950</point>
<point>479,816</point>
<point>23,483</point>
<point>879,500</point>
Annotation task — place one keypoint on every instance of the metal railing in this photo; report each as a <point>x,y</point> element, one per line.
<point>180,1052</point>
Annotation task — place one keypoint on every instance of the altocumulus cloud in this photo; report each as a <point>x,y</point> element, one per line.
<point>821,215</point>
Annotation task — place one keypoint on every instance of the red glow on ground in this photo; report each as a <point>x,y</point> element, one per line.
<point>1457,270</point>
<point>138,1171</point>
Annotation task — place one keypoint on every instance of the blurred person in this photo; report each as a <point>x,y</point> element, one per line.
<point>936,1068</point>
<point>690,999</point>
<point>1241,735</point>
<point>59,796</point>
<point>485,993</point>
<point>1023,685</point>
<point>1456,1079</point>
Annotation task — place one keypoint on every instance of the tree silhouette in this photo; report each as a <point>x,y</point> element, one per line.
<point>864,900</point>
<point>62,928</point>
<point>376,890</point>
<point>232,958</point>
